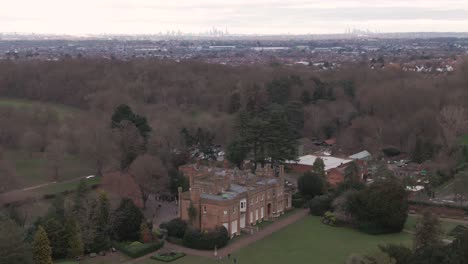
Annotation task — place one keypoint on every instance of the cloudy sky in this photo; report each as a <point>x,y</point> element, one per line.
<point>238,16</point>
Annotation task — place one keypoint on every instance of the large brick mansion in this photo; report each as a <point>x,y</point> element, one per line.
<point>233,198</point>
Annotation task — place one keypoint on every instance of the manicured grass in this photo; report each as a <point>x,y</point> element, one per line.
<point>447,226</point>
<point>62,111</point>
<point>310,241</point>
<point>307,241</point>
<point>33,169</point>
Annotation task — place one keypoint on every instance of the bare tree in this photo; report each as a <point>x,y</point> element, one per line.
<point>55,155</point>
<point>31,142</point>
<point>96,144</point>
<point>150,175</point>
<point>129,143</point>
<point>452,122</point>
<point>8,176</point>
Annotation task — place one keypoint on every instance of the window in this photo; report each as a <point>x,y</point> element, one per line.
<point>204,209</point>
<point>234,209</point>
<point>242,205</point>
<point>263,196</point>
<point>225,212</point>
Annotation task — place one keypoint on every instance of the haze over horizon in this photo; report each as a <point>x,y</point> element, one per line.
<point>238,17</point>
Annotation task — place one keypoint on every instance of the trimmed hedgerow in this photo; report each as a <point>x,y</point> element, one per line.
<point>168,257</point>
<point>135,250</point>
<point>207,240</point>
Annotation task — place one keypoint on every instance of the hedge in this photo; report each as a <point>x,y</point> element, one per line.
<point>175,227</point>
<point>136,251</point>
<point>168,257</point>
<point>298,203</point>
<point>206,240</point>
<point>320,204</point>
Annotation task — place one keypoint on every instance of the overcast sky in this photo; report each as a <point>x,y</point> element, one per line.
<point>238,16</point>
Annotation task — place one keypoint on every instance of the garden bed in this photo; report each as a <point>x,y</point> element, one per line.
<point>168,257</point>
<point>137,249</point>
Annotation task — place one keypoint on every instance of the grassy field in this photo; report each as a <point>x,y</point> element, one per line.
<point>62,111</point>
<point>307,241</point>
<point>33,170</point>
<point>447,226</point>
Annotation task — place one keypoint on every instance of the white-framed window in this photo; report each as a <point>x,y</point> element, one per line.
<point>261,212</point>
<point>225,212</point>
<point>204,209</point>
<point>263,196</point>
<point>234,209</point>
<point>251,217</point>
<point>256,214</point>
<point>242,205</point>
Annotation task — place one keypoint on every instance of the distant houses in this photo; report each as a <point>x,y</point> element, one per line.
<point>334,166</point>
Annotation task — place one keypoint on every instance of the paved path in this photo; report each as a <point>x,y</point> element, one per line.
<point>245,240</point>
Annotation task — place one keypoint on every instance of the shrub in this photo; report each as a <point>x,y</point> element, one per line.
<point>207,240</point>
<point>135,244</point>
<point>310,184</point>
<point>320,204</point>
<point>175,228</point>
<point>298,203</point>
<point>329,218</point>
<point>158,234</point>
<point>137,249</point>
<point>381,208</point>
<point>48,196</point>
<point>168,257</point>
<point>391,151</point>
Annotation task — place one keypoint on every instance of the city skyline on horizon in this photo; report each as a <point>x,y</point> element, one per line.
<point>242,17</point>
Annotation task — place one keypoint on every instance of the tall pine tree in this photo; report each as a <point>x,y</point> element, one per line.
<point>127,219</point>
<point>102,239</point>
<point>41,248</point>
<point>75,242</point>
<point>57,237</point>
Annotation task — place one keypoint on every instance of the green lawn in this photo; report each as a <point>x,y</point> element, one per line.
<point>447,226</point>
<point>33,170</point>
<point>62,111</point>
<point>307,241</point>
